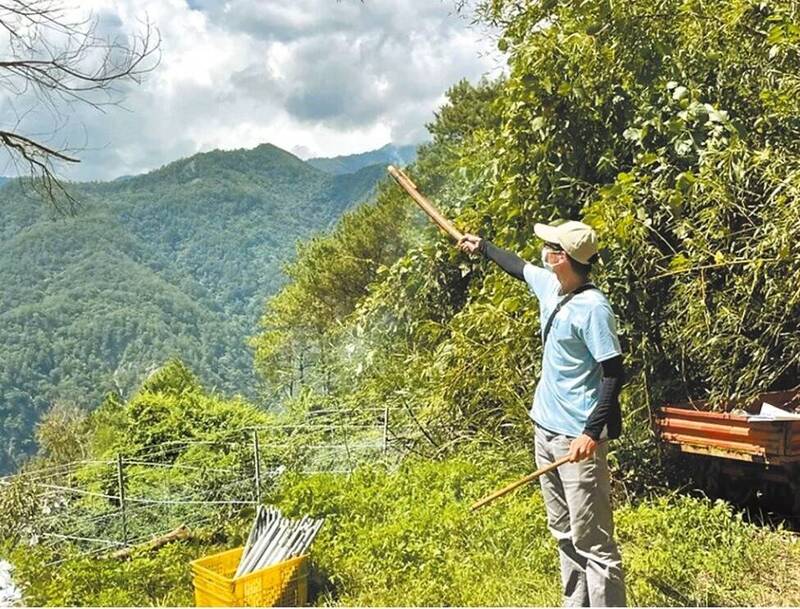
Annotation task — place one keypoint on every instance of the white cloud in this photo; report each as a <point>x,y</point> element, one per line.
<point>318,77</point>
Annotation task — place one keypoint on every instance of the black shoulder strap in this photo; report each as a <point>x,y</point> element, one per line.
<point>565,300</point>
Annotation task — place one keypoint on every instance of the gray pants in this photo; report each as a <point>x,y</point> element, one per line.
<point>577,500</point>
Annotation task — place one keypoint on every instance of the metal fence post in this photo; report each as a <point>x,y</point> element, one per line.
<point>121,485</point>
<point>257,459</point>
<point>385,429</point>
<point>346,445</point>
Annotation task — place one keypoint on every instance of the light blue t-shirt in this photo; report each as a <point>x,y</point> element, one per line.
<point>583,334</point>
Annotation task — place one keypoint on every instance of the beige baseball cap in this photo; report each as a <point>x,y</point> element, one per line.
<point>578,239</point>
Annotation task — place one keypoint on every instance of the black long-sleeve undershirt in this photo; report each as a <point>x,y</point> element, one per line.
<point>506,260</point>
<point>607,414</point>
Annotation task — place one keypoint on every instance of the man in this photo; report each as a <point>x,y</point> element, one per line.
<point>575,406</point>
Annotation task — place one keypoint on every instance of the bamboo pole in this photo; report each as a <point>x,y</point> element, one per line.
<point>529,478</point>
<point>429,208</point>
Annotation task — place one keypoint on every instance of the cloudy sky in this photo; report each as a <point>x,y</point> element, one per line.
<point>316,77</point>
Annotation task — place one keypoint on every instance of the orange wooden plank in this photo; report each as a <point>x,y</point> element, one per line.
<point>773,446</point>
<point>668,423</point>
<point>746,447</point>
<point>786,400</point>
<point>702,414</point>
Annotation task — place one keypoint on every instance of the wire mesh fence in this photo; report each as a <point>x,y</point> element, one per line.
<point>93,507</point>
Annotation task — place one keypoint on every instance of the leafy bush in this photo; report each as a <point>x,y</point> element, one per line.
<point>157,578</point>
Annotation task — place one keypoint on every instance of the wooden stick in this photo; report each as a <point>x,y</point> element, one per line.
<point>529,478</point>
<point>182,532</point>
<point>428,207</point>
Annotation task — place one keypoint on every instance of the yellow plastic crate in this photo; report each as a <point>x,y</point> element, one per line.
<point>281,585</point>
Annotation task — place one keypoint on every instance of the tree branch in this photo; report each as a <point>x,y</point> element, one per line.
<point>72,71</point>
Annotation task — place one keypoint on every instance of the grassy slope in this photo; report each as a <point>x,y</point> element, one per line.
<point>408,538</point>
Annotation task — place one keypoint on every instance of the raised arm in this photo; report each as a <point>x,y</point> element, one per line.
<point>505,259</point>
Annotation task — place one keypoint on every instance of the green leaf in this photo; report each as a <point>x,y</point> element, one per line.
<point>679,262</point>
<point>632,134</point>
<point>680,93</point>
<point>685,180</point>
<point>538,123</point>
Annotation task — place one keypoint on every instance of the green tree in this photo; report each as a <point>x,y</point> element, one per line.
<point>62,433</point>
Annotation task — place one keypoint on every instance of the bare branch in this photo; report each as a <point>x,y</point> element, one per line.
<point>61,61</point>
<point>32,147</point>
<point>41,178</point>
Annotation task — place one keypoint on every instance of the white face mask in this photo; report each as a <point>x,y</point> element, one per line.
<point>548,265</point>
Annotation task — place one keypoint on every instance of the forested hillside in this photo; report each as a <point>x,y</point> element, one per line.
<point>174,262</point>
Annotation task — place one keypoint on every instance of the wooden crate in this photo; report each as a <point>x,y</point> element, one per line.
<point>696,429</point>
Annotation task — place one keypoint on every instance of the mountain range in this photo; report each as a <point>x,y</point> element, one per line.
<point>398,155</point>
<point>174,262</point>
